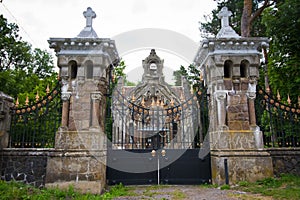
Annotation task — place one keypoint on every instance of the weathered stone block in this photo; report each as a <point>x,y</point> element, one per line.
<point>242,166</point>
<point>241,140</point>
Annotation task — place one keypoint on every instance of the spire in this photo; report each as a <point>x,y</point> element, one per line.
<point>88,31</point>
<point>226,30</point>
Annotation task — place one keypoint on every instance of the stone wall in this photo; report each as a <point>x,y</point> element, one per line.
<point>24,165</point>
<point>285,160</point>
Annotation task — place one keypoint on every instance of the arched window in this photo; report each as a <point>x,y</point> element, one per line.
<point>73,69</point>
<point>244,66</point>
<point>89,69</point>
<point>228,69</point>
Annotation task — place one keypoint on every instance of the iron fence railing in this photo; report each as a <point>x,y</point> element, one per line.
<point>280,123</point>
<point>35,125</point>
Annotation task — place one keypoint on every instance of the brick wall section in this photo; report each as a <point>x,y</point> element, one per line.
<point>27,166</point>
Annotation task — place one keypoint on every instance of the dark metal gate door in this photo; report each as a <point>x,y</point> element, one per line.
<point>170,166</point>
<point>157,139</point>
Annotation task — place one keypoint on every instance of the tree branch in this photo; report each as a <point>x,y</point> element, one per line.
<point>267,3</point>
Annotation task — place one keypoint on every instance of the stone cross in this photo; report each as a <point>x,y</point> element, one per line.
<point>224,15</point>
<point>89,14</point>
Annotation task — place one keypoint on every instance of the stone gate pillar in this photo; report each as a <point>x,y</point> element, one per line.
<point>230,64</point>
<point>6,102</point>
<point>79,157</point>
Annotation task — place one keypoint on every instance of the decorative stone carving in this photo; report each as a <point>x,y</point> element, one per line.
<point>88,31</point>
<point>226,30</point>
<point>65,96</point>
<point>221,110</point>
<point>96,96</point>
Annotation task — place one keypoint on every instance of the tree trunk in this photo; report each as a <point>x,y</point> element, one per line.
<point>246,18</point>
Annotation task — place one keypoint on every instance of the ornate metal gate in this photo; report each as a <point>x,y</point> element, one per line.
<point>158,141</point>
<point>35,125</point>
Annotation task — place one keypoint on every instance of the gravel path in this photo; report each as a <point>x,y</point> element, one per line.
<point>187,192</point>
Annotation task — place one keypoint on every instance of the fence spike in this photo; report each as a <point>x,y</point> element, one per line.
<point>182,97</point>
<point>143,102</point>
<point>153,102</point>
<point>27,101</point>
<point>162,103</point>
<point>17,102</point>
<point>47,89</point>
<point>172,102</point>
<point>133,98</point>
<point>37,97</point>
<point>278,95</point>
<point>157,102</point>
<point>289,100</point>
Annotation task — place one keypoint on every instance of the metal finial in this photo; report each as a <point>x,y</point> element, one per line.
<point>172,102</point>
<point>278,96</point>
<point>47,89</point>
<point>37,97</point>
<point>143,102</point>
<point>133,98</point>
<point>182,97</point>
<point>153,102</point>
<point>27,101</point>
<point>289,100</point>
<point>17,102</point>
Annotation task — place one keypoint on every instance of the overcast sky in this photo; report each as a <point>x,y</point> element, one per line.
<point>41,19</point>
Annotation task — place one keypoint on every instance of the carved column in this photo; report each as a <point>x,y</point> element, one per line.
<point>96,98</point>
<point>251,103</point>
<point>221,109</point>
<point>65,96</point>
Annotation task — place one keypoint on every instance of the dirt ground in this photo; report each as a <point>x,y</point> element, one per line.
<point>176,192</point>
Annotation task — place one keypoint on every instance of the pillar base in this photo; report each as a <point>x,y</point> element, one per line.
<point>92,187</point>
<point>243,165</point>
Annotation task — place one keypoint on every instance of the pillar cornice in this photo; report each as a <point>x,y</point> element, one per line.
<point>65,96</point>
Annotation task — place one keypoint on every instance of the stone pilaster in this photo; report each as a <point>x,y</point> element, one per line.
<point>96,98</point>
<point>221,109</point>
<point>65,96</point>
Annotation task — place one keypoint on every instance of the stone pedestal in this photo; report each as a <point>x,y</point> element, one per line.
<point>243,151</point>
<point>243,165</point>
<point>79,159</point>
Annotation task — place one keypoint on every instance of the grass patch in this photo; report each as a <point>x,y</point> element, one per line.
<point>177,194</point>
<point>225,187</point>
<point>16,190</point>
<point>286,186</point>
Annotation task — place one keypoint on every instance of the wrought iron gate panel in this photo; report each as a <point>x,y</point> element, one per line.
<point>138,127</point>
<point>280,123</point>
<point>135,154</point>
<point>34,126</point>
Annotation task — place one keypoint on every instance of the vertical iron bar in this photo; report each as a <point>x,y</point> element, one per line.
<point>226,172</point>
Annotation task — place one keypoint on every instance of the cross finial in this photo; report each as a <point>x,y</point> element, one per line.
<point>224,15</point>
<point>89,14</point>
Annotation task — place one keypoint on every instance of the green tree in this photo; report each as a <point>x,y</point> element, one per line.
<point>177,74</point>
<point>23,71</point>
<point>245,20</point>
<point>283,28</point>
